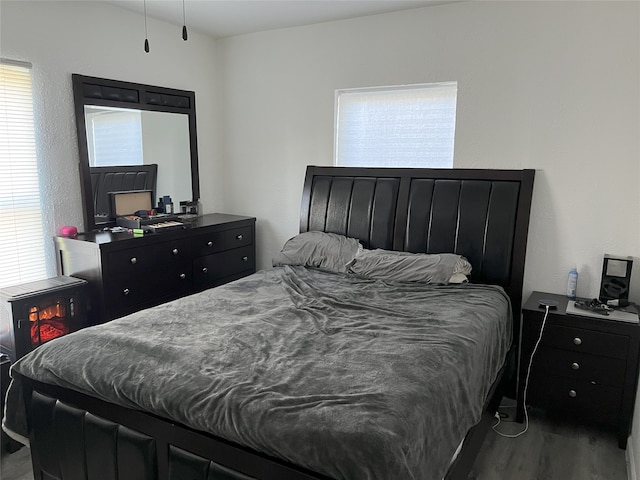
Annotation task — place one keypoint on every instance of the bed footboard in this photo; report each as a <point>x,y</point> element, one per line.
<point>75,436</point>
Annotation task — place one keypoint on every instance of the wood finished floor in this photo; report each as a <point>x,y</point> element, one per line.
<point>551,449</point>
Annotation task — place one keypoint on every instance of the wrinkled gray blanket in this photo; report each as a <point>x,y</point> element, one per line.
<point>353,378</point>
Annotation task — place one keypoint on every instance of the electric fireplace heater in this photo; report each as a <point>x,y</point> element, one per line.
<point>34,313</point>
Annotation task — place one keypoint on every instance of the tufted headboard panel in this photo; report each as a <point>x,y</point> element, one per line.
<point>119,179</point>
<point>481,214</point>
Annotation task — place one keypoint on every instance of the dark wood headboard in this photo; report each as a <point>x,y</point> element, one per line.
<point>119,179</point>
<point>481,214</point>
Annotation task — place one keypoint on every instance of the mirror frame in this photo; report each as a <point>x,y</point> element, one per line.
<point>114,93</point>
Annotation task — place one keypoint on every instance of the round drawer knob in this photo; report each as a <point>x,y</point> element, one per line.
<point>238,237</point>
<point>209,244</point>
<point>133,260</point>
<point>125,291</point>
<point>205,270</point>
<point>577,341</point>
<point>174,251</point>
<point>245,259</point>
<point>575,365</point>
<point>183,276</point>
<point>573,394</point>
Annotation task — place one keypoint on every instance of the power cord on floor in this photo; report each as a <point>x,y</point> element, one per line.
<point>526,386</point>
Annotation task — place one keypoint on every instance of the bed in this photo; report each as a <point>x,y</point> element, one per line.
<point>302,373</point>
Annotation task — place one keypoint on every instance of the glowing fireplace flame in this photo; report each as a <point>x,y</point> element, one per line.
<point>47,323</point>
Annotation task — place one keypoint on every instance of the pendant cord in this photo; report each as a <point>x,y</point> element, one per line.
<point>184,23</point>
<point>146,35</point>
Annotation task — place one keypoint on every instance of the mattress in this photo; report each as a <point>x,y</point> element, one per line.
<point>349,377</point>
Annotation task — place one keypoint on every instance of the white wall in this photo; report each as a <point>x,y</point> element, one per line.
<point>91,38</point>
<point>552,86</point>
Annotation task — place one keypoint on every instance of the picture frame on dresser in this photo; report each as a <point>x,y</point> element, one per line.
<point>585,366</point>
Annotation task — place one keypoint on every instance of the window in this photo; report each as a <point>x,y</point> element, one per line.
<point>21,233</point>
<point>405,126</point>
<point>114,136</point>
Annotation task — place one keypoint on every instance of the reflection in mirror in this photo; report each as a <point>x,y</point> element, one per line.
<point>131,137</point>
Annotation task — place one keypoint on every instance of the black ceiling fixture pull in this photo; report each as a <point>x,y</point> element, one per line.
<point>146,36</point>
<point>184,24</point>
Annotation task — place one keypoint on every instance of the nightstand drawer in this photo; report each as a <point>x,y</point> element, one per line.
<point>599,402</point>
<point>577,365</point>
<point>586,341</point>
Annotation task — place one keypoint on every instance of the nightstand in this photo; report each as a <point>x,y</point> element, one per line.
<point>585,366</point>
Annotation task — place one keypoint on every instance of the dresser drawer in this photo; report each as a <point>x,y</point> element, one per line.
<point>586,341</point>
<point>222,240</point>
<point>238,237</point>
<point>158,256</point>
<point>599,402</point>
<point>127,293</point>
<point>577,365</point>
<point>210,269</point>
<point>208,243</point>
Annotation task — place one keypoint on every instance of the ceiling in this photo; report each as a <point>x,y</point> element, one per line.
<point>224,18</point>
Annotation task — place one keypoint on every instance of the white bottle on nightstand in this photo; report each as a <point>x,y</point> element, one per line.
<point>572,283</point>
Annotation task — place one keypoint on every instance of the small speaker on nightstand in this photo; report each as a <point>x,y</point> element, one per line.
<point>616,277</point>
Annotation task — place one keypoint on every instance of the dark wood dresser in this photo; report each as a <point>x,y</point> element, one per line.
<point>127,273</point>
<point>585,366</point>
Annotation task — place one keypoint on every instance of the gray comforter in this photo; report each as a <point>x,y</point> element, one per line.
<point>353,378</point>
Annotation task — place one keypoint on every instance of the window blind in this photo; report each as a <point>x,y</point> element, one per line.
<point>116,138</point>
<point>21,232</point>
<point>406,126</point>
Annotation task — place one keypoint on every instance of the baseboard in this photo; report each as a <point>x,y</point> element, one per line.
<point>633,469</point>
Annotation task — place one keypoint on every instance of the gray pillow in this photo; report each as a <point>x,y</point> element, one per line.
<point>411,267</point>
<point>326,251</point>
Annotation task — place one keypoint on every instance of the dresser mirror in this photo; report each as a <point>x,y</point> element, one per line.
<point>133,137</point>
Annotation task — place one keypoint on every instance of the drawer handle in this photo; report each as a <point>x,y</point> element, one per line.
<point>575,365</point>
<point>239,237</point>
<point>183,276</point>
<point>245,259</point>
<point>125,291</point>
<point>209,244</point>
<point>205,270</point>
<point>133,260</point>
<point>573,393</point>
<point>174,251</point>
<point>577,341</point>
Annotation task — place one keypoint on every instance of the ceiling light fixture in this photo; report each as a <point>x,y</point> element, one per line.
<point>184,24</point>
<point>146,36</point>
